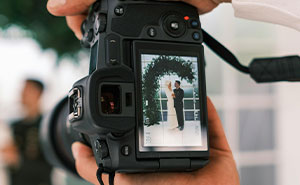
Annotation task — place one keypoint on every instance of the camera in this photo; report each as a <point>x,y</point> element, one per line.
<point>142,108</point>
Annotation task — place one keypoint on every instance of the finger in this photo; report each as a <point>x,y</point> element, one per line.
<point>203,6</point>
<point>74,22</point>
<point>68,7</point>
<point>85,163</point>
<point>217,136</point>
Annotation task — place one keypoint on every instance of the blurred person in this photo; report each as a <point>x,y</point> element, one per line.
<point>27,165</point>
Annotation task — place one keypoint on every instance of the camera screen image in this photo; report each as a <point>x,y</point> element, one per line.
<point>171,107</point>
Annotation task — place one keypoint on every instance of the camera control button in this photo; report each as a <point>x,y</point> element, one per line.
<point>101,148</point>
<point>174,25</point>
<point>90,35</point>
<point>196,36</point>
<point>125,150</point>
<point>194,24</point>
<point>100,24</point>
<point>119,11</point>
<point>113,50</point>
<point>152,32</point>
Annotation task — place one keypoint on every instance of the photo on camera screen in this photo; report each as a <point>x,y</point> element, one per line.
<point>171,107</point>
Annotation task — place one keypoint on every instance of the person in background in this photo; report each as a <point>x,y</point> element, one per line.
<point>27,165</point>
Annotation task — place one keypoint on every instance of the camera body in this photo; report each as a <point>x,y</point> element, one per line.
<point>127,108</point>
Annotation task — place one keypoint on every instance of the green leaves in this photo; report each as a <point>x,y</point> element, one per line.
<point>51,32</point>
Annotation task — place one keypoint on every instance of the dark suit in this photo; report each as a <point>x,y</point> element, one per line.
<point>178,104</point>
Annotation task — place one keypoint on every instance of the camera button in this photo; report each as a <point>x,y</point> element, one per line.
<point>194,24</point>
<point>101,148</point>
<point>125,150</point>
<point>119,11</point>
<point>152,32</point>
<point>196,36</point>
<point>174,25</point>
<point>113,49</point>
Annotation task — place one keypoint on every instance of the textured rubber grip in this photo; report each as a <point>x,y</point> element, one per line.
<point>275,69</point>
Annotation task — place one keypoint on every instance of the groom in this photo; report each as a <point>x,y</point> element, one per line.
<point>178,104</point>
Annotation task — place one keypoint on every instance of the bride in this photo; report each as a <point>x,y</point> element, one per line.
<point>172,117</point>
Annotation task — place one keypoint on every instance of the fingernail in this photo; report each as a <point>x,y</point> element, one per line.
<point>56,3</point>
<point>75,150</point>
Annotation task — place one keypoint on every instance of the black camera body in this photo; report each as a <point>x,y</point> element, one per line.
<point>127,109</point>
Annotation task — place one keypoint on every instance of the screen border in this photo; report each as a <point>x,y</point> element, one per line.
<point>157,48</point>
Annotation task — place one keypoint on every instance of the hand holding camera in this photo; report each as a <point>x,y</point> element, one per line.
<point>220,170</point>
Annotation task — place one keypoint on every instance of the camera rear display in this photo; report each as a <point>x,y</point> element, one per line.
<point>168,129</point>
<point>171,87</point>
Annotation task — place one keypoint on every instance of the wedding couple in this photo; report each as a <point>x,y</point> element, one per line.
<point>175,105</point>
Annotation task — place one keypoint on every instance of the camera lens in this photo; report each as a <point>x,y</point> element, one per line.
<point>174,25</point>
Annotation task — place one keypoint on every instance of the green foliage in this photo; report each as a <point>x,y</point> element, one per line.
<point>159,67</point>
<point>50,31</point>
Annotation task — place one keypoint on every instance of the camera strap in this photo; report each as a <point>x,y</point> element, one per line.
<point>223,52</point>
<point>260,69</point>
<point>100,171</point>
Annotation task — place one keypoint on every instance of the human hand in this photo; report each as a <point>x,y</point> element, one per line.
<point>76,11</point>
<point>220,170</point>
<point>10,155</point>
<point>204,6</point>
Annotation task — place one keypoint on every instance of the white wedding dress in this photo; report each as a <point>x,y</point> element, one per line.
<point>172,117</point>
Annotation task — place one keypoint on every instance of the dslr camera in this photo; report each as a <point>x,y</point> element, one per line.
<point>142,107</point>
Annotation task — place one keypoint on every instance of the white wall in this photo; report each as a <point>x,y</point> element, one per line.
<point>288,114</point>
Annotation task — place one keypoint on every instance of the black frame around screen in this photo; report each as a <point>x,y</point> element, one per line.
<point>161,48</point>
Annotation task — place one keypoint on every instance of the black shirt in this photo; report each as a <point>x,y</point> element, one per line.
<point>33,168</point>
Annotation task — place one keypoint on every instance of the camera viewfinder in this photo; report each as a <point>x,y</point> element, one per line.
<point>110,99</point>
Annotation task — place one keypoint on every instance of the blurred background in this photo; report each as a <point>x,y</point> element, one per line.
<point>261,121</point>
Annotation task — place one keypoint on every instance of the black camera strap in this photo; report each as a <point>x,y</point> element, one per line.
<point>223,52</point>
<point>100,171</point>
<point>260,69</point>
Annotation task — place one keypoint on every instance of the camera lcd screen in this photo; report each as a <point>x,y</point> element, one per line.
<point>171,110</point>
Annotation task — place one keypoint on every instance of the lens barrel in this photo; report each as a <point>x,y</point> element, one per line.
<point>57,136</point>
